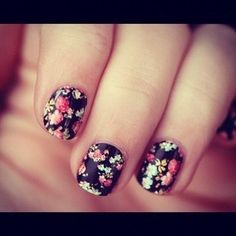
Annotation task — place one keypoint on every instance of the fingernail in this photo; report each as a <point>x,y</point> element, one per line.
<point>160,167</point>
<point>64,111</point>
<point>100,169</point>
<point>227,130</point>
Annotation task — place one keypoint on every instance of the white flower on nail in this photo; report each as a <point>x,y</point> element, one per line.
<point>79,113</point>
<point>117,158</point>
<point>168,146</point>
<point>101,167</point>
<point>107,170</point>
<point>87,187</point>
<point>151,170</point>
<point>147,182</point>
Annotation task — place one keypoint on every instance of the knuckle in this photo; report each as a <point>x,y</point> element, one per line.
<point>141,83</point>
<point>93,37</point>
<point>97,37</point>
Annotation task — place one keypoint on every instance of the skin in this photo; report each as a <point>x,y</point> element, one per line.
<point>35,168</point>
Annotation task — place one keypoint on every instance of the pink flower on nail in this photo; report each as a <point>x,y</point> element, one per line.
<point>173,166</point>
<point>97,153</point>
<point>55,118</point>
<point>104,181</point>
<point>58,133</point>
<point>166,179</point>
<point>62,104</point>
<point>101,179</point>
<point>107,183</point>
<point>90,154</point>
<point>150,157</point>
<point>119,166</point>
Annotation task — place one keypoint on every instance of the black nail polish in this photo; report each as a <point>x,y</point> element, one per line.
<point>100,169</point>
<point>64,111</point>
<point>160,167</point>
<point>228,128</point>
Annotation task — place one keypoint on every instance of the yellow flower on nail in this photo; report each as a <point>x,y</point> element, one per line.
<point>161,165</point>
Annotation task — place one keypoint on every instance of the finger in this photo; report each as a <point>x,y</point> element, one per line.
<point>138,77</point>
<point>10,36</point>
<point>72,60</point>
<point>199,101</point>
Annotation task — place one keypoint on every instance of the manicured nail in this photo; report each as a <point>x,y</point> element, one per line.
<point>227,129</point>
<point>64,111</point>
<point>160,168</point>
<point>100,169</point>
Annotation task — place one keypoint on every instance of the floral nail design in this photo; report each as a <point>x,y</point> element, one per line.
<point>64,111</point>
<point>100,169</point>
<point>160,167</point>
<point>228,128</point>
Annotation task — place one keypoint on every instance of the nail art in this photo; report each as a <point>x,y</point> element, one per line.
<point>64,111</point>
<point>228,128</point>
<point>160,168</point>
<point>100,169</point>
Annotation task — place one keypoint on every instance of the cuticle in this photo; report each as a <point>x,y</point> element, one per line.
<point>124,153</point>
<point>181,148</point>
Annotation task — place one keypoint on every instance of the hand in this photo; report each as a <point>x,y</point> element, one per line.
<point>142,83</point>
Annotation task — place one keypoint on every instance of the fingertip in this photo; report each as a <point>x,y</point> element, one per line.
<point>72,60</point>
